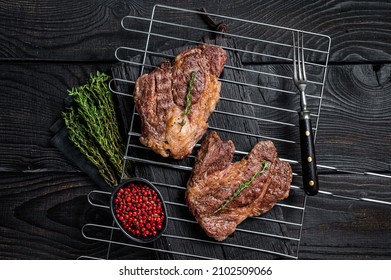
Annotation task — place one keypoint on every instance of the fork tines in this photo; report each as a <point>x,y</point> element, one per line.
<point>298,58</point>
<point>299,75</point>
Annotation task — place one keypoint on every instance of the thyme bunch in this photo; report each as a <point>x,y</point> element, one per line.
<point>93,127</point>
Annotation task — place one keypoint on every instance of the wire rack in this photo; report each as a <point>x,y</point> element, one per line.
<point>263,107</point>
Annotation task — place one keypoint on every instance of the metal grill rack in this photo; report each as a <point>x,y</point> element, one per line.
<point>269,100</point>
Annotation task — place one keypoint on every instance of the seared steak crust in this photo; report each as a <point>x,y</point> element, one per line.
<point>160,99</point>
<point>215,178</point>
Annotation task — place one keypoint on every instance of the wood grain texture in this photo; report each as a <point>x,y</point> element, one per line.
<point>32,100</point>
<point>356,97</point>
<point>91,30</point>
<point>42,215</point>
<point>47,47</point>
<point>354,127</point>
<point>336,228</point>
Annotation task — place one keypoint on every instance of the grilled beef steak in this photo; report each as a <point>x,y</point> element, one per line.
<point>215,180</point>
<point>176,99</point>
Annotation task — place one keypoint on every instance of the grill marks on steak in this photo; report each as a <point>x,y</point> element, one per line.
<point>160,100</point>
<point>215,178</point>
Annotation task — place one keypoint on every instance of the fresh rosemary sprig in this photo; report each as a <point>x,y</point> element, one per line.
<point>236,193</point>
<point>93,127</point>
<point>189,96</point>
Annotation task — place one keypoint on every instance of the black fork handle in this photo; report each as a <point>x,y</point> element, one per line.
<point>308,159</point>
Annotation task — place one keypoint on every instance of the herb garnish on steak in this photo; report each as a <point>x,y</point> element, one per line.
<point>173,120</point>
<point>215,179</point>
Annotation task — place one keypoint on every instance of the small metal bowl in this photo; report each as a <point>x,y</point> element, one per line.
<point>133,237</point>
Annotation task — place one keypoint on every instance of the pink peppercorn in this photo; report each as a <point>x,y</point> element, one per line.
<point>139,210</point>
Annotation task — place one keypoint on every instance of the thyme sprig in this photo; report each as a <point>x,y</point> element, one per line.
<point>78,134</point>
<point>189,96</point>
<point>93,127</point>
<point>237,192</point>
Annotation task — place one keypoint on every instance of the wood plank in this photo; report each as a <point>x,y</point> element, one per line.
<point>354,125</point>
<point>336,228</point>
<point>91,30</point>
<point>42,215</point>
<point>32,100</point>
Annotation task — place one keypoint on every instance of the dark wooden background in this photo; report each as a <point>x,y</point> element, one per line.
<point>47,47</point>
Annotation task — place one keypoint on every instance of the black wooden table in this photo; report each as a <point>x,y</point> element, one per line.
<point>48,47</point>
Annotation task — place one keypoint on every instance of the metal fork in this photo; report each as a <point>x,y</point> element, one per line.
<point>308,160</point>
